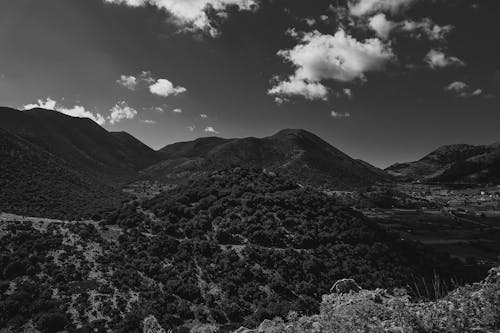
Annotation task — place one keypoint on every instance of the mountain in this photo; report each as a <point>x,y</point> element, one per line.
<point>459,163</point>
<point>34,182</point>
<point>294,153</point>
<point>79,141</point>
<point>232,248</point>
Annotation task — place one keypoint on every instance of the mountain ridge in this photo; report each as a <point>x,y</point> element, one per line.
<point>458,163</point>
<point>293,152</point>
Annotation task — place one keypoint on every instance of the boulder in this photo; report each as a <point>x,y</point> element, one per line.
<point>345,286</point>
<point>151,325</point>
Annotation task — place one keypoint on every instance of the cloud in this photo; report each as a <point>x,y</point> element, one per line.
<point>75,111</point>
<point>204,116</point>
<point>437,59</point>
<point>121,111</point>
<point>165,88</point>
<point>148,121</point>
<point>210,129</point>
<point>191,14</point>
<point>340,114</point>
<point>418,29</point>
<point>191,128</point>
<point>366,7</point>
<point>428,28</point>
<point>177,110</point>
<point>129,82</point>
<point>319,57</point>
<point>298,87</point>
<point>348,92</point>
<point>381,25</point>
<point>462,89</point>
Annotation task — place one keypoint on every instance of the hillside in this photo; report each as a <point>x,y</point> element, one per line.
<point>453,164</point>
<point>234,248</point>
<point>294,153</point>
<point>80,142</point>
<point>474,308</point>
<point>36,183</point>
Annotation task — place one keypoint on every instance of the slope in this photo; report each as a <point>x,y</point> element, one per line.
<point>295,153</point>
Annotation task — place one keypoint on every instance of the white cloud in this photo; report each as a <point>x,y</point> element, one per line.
<point>457,87</point>
<point>192,13</point>
<point>121,111</point>
<point>298,87</point>
<point>75,111</point>
<point>462,89</point>
<point>210,129</point>
<point>437,59</point>
<point>129,82</point>
<point>428,28</point>
<point>204,116</point>
<point>340,114</point>
<point>366,7</point>
<point>381,25</point>
<point>191,128</point>
<point>348,92</point>
<point>149,121</point>
<point>177,110</point>
<point>320,57</point>
<point>165,88</point>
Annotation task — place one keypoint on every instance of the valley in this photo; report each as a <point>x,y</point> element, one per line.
<point>214,234</point>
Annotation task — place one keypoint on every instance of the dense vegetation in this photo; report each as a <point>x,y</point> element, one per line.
<point>473,308</point>
<point>235,248</point>
<point>34,182</point>
<point>292,152</point>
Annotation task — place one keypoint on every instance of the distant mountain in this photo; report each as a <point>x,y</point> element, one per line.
<point>79,141</point>
<point>34,182</point>
<point>454,164</point>
<point>54,165</point>
<point>294,153</point>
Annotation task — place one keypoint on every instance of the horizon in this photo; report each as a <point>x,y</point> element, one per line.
<point>383,82</point>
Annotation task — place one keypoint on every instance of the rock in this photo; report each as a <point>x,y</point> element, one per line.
<point>244,330</point>
<point>493,276</point>
<point>151,325</point>
<point>345,286</point>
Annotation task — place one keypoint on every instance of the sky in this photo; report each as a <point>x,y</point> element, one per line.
<point>383,80</point>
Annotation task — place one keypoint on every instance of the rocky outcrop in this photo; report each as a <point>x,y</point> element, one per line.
<point>345,286</point>
<point>472,308</point>
<point>151,325</point>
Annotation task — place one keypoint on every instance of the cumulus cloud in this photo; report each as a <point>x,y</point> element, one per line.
<point>462,89</point>
<point>381,25</point>
<point>191,14</point>
<point>177,110</point>
<point>165,88</point>
<point>149,121</point>
<point>210,129</point>
<point>296,86</point>
<point>335,114</point>
<point>129,82</point>
<point>75,111</point>
<point>366,7</point>
<point>121,111</point>
<point>437,59</point>
<point>319,57</point>
<point>204,116</point>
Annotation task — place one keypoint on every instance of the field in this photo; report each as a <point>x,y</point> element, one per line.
<point>467,224</point>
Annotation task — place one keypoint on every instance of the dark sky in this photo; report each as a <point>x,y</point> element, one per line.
<point>383,80</point>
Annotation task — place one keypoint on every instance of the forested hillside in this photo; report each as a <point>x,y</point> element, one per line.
<point>231,249</point>
<point>34,182</point>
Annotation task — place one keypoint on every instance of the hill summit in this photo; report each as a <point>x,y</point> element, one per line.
<point>295,153</point>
